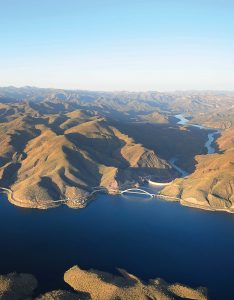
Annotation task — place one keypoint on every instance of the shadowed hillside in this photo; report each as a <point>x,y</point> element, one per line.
<point>63,155</point>
<point>58,144</point>
<point>211,186</point>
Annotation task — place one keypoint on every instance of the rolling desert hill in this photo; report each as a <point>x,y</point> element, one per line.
<point>58,144</point>
<point>55,156</point>
<point>211,185</point>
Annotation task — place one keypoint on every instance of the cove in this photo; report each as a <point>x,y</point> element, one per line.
<point>150,238</point>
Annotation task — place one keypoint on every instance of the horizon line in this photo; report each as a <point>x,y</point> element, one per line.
<point>117,91</point>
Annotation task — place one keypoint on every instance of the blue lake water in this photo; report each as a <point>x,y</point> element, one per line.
<point>150,238</point>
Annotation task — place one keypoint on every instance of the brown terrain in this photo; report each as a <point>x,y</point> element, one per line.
<point>104,286</point>
<point>211,185</point>
<point>15,286</point>
<point>59,144</point>
<point>169,141</point>
<point>97,285</point>
<point>62,156</point>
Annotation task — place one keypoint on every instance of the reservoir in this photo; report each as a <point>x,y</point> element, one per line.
<point>150,238</point>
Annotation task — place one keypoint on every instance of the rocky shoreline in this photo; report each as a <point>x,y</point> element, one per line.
<point>165,194</point>
<point>97,285</point>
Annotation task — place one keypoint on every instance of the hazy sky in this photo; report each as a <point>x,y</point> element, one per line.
<point>117,44</point>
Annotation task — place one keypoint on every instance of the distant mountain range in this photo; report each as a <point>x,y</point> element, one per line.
<point>130,105</point>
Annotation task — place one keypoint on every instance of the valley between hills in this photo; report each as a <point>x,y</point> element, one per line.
<point>58,144</point>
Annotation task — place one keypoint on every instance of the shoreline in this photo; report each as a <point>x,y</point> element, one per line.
<point>181,201</point>
<point>81,203</point>
<point>24,204</point>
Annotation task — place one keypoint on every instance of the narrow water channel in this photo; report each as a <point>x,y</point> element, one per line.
<point>209,144</point>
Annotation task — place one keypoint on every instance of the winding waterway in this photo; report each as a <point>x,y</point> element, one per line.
<point>210,148</point>
<point>150,238</point>
<point>210,136</point>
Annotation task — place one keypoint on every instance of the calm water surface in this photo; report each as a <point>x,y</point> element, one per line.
<point>150,238</point>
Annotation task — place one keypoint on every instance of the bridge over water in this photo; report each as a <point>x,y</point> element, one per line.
<point>98,189</point>
<point>137,191</point>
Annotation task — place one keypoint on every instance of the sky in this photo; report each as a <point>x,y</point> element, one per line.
<point>133,45</point>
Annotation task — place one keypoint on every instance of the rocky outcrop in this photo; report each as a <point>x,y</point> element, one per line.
<point>62,295</point>
<point>97,285</point>
<point>15,286</point>
<point>105,286</point>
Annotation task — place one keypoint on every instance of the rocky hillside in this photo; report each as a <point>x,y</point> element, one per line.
<point>57,144</point>
<point>104,286</point>
<point>97,285</point>
<point>52,156</point>
<point>211,186</point>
